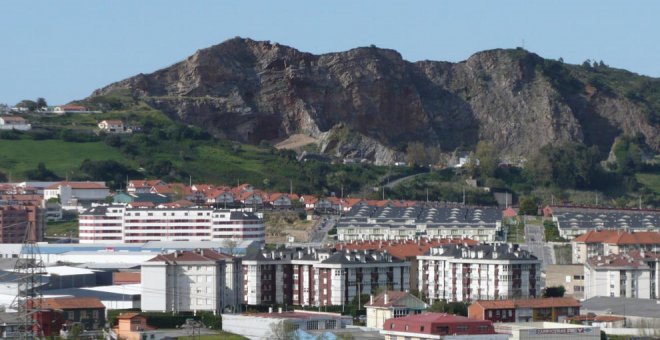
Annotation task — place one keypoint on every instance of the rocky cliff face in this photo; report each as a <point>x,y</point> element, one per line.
<point>370,102</point>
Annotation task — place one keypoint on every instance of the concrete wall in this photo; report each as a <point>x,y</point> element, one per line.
<point>154,288</point>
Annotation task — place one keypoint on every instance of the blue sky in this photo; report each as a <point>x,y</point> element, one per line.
<point>63,50</point>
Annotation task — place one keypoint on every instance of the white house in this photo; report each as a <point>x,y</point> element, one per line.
<point>73,193</point>
<point>14,123</point>
<point>392,304</point>
<point>618,275</point>
<point>113,126</point>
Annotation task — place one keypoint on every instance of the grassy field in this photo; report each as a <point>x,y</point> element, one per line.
<point>221,335</point>
<point>516,233</point>
<point>651,181</point>
<point>62,228</point>
<point>17,156</point>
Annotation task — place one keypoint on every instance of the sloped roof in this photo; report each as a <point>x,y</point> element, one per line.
<point>619,237</point>
<point>72,303</point>
<point>202,255</point>
<point>78,185</point>
<point>394,299</point>
<point>529,303</point>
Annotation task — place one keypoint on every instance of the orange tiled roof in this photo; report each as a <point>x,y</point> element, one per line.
<point>78,185</point>
<point>393,297</point>
<point>529,303</point>
<point>72,303</point>
<point>619,237</point>
<point>128,315</point>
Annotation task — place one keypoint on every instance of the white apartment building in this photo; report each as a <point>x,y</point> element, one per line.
<point>121,224</point>
<point>482,272</point>
<point>633,274</point>
<point>184,281</point>
<point>311,277</point>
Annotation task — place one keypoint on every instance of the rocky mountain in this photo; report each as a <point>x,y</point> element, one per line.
<point>370,102</point>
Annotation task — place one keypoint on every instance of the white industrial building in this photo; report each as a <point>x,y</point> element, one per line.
<point>121,224</point>
<point>260,326</point>
<point>482,272</point>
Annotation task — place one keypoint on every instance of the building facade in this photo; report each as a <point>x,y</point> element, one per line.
<point>468,273</point>
<point>524,310</point>
<point>184,281</point>
<point>605,242</point>
<point>430,326</point>
<point>121,224</point>
<point>19,222</point>
<point>392,304</point>
<point>633,274</point>
<point>570,276</point>
<point>311,277</point>
<point>367,222</point>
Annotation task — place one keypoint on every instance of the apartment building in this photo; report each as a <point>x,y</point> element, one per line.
<point>388,222</point>
<point>570,276</point>
<point>487,271</point>
<point>185,281</point>
<point>605,242</point>
<point>311,277</point>
<point>122,224</point>
<point>632,274</point>
<point>17,219</point>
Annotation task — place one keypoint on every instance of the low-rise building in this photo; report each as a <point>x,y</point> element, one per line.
<point>311,277</point>
<point>524,310</point>
<point>132,326</point>
<point>439,326</point>
<point>487,271</point>
<point>280,324</point>
<point>88,312</point>
<point>575,221</point>
<point>632,274</point>
<point>184,281</point>
<point>14,123</point>
<point>72,195</point>
<point>392,304</point>
<point>112,126</point>
<point>638,313</point>
<point>547,330</point>
<point>569,276</point>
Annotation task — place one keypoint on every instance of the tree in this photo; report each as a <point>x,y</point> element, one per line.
<point>41,102</point>
<point>230,244</point>
<point>416,154</point>
<point>3,177</point>
<point>486,153</point>
<point>458,308</point>
<point>554,292</point>
<point>528,206</point>
<point>29,104</point>
<point>41,173</point>
<point>282,330</point>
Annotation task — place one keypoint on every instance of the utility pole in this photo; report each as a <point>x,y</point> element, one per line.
<point>463,196</point>
<point>383,192</point>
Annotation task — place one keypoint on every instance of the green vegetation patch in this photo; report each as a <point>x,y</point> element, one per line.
<point>651,181</point>
<point>18,156</point>
<point>62,228</point>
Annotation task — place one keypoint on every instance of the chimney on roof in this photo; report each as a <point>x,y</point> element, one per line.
<point>279,310</point>
<point>270,310</point>
<point>371,299</point>
<point>386,299</point>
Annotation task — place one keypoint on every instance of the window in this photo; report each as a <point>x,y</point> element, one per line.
<point>330,324</point>
<point>70,316</point>
<point>406,327</point>
<point>392,325</point>
<point>312,325</point>
<point>95,314</point>
<point>462,328</point>
<point>489,313</point>
<point>421,328</point>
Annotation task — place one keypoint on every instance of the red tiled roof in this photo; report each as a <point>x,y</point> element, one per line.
<point>113,121</point>
<point>393,298</point>
<point>529,303</point>
<point>633,259</point>
<point>141,204</point>
<point>72,303</point>
<point>143,183</point>
<point>509,212</point>
<point>13,119</point>
<point>619,237</point>
<point>78,185</point>
<point>124,316</point>
<point>126,277</point>
<point>204,255</point>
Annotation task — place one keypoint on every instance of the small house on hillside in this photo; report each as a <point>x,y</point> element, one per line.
<point>113,126</point>
<point>14,123</point>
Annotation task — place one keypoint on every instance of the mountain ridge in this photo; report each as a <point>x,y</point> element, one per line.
<point>371,102</point>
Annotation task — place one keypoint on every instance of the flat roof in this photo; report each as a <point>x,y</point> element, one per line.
<point>622,306</point>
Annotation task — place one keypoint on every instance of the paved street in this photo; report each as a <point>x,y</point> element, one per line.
<point>321,229</point>
<point>535,243</point>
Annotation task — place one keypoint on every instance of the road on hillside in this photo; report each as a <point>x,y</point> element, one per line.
<point>393,183</point>
<point>320,232</point>
<point>535,243</point>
